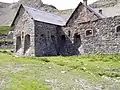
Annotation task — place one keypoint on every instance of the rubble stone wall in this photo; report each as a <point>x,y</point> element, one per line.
<point>45,39</point>
<point>105,39</point>
<point>23,26</point>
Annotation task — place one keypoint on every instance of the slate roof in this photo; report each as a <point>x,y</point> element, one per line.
<point>50,18</point>
<point>45,16</point>
<point>42,16</point>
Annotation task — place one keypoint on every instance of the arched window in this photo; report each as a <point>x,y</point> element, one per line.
<point>26,43</point>
<point>117,29</point>
<point>89,32</point>
<point>18,43</point>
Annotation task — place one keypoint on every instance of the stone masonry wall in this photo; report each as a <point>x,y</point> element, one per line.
<point>66,43</point>
<point>45,39</point>
<point>24,25</point>
<point>82,14</point>
<point>105,39</point>
<point>72,45</point>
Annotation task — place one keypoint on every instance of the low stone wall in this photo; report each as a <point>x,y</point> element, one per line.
<point>3,37</point>
<point>5,42</point>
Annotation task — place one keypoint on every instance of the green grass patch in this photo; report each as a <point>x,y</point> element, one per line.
<point>89,67</point>
<point>4,30</point>
<point>25,83</point>
<point>6,41</point>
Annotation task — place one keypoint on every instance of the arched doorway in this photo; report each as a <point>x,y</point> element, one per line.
<point>27,43</point>
<point>77,40</point>
<point>18,43</point>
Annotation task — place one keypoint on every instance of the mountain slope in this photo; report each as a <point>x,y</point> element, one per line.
<point>110,8</point>
<point>104,3</point>
<point>8,11</point>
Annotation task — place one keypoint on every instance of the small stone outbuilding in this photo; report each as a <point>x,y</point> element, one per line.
<point>38,33</point>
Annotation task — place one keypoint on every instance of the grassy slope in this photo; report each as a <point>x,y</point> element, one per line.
<point>4,30</point>
<point>30,73</point>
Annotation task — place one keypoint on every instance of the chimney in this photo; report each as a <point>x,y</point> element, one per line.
<point>85,2</point>
<point>100,11</point>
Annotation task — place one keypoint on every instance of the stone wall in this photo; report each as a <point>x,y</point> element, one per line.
<point>51,40</point>
<point>33,38</point>
<point>45,39</point>
<point>54,40</point>
<point>23,26</point>
<point>6,44</point>
<point>82,14</point>
<point>66,42</point>
<point>105,39</point>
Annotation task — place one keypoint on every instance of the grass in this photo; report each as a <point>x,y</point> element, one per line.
<point>35,69</point>
<point>97,66</point>
<point>20,80</point>
<point>4,30</point>
<point>6,41</point>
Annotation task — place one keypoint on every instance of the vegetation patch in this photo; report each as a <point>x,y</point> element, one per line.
<point>45,59</point>
<point>4,30</point>
<point>6,41</point>
<point>38,74</point>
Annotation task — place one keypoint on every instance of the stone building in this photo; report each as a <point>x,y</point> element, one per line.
<point>38,33</point>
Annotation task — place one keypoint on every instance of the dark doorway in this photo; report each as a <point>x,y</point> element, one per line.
<point>18,43</point>
<point>62,44</point>
<point>27,43</point>
<point>77,40</point>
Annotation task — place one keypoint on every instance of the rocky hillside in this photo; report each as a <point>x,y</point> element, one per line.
<point>104,3</point>
<point>110,8</point>
<point>8,11</point>
<point>4,5</point>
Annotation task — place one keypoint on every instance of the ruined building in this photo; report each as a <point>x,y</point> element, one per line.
<point>38,33</point>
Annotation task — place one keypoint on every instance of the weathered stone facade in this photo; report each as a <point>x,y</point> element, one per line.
<point>45,39</point>
<point>50,40</point>
<point>105,39</point>
<point>86,32</point>
<point>23,26</point>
